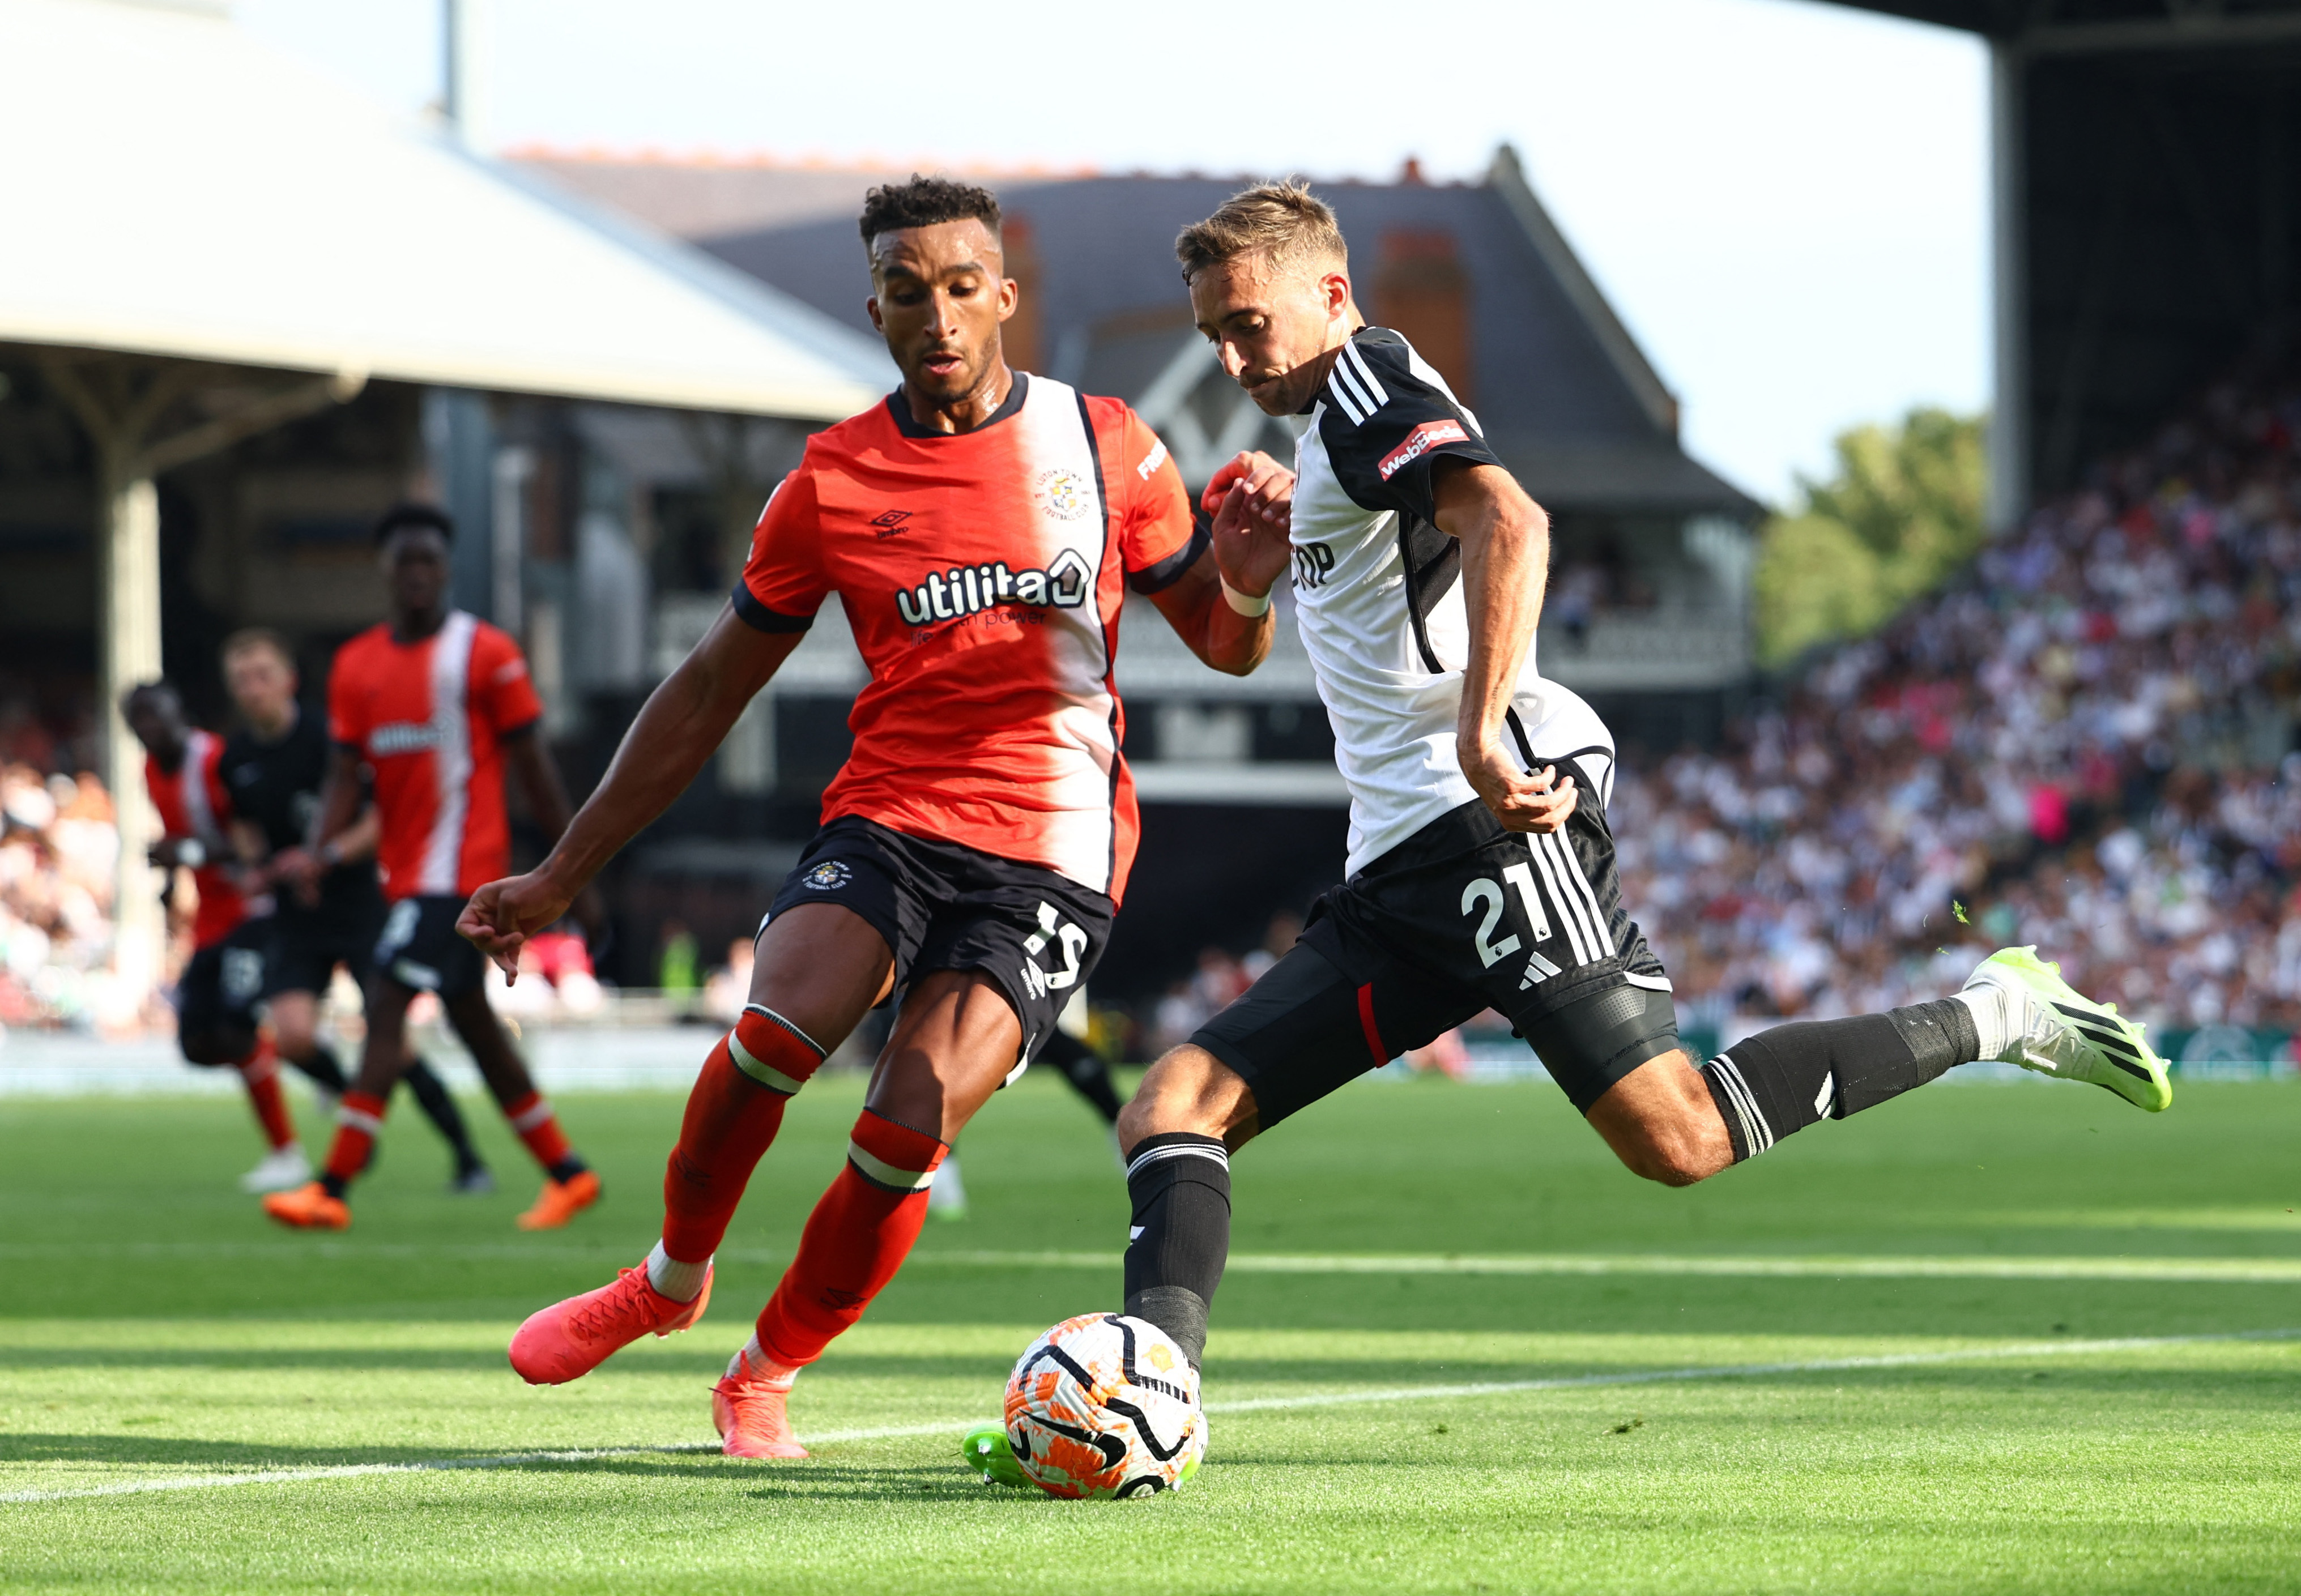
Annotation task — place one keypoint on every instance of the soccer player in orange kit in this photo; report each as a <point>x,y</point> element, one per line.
<point>981,528</point>
<point>217,994</point>
<point>435,702</point>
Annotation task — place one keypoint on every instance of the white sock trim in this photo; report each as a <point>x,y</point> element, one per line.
<point>1990,1004</point>
<point>751,1362</point>
<point>681,1283</point>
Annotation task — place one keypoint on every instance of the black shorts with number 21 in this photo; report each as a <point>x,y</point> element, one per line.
<point>1461,917</point>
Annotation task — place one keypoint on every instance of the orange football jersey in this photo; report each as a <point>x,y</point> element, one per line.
<point>429,718</point>
<point>983,574</point>
<point>195,808</point>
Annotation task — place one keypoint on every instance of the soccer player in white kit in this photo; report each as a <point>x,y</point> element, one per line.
<point>1481,871</point>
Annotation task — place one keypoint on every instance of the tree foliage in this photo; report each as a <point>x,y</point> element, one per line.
<point>1902,513</point>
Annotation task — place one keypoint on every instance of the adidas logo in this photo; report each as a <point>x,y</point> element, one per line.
<point>1538,968</point>
<point>2104,1033</point>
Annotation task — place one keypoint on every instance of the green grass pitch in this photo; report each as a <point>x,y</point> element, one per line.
<point>2036,1300</point>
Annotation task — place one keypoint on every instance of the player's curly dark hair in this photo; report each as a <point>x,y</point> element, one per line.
<point>412,513</point>
<point>925,201</point>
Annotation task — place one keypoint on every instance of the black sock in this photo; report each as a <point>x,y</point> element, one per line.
<point>1086,1070</point>
<point>1783,1080</point>
<point>568,1168</point>
<point>438,1107</point>
<point>323,1069</point>
<point>1181,1235</point>
<point>336,1185</point>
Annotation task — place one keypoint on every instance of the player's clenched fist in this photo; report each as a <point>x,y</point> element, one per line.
<point>1252,500</point>
<point>503,915</point>
<point>1522,801</point>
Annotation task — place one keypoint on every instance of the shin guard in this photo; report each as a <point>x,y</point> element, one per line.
<point>531,1117</point>
<point>323,1069</point>
<point>1180,1238</point>
<point>359,1120</point>
<point>857,1238</point>
<point>430,1095</point>
<point>260,1073</point>
<point>732,1115</point>
<point>1780,1081</point>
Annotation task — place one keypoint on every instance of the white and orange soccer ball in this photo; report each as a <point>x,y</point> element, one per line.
<point>1102,1406</point>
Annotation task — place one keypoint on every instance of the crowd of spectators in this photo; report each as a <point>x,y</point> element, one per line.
<point>58,846</point>
<point>2086,744</point>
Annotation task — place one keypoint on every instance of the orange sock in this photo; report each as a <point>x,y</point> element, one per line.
<point>857,1238</point>
<point>260,1070</point>
<point>359,1118</point>
<point>538,1127</point>
<point>732,1115</point>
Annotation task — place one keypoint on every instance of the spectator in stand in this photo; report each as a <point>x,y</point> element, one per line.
<point>2089,739</point>
<point>57,849</point>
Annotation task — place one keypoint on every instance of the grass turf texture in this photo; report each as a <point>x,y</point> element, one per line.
<point>156,1329</point>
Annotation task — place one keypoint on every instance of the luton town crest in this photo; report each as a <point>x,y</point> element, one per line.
<point>1065,494</point>
<point>828,876</point>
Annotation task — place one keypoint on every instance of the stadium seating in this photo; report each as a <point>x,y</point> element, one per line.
<point>2085,743</point>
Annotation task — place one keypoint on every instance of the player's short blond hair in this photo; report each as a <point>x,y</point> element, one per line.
<point>1285,223</point>
<point>248,639</point>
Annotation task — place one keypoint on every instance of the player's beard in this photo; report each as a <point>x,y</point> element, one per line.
<point>968,377</point>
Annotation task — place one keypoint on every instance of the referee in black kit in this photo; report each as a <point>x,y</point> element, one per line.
<point>330,908</point>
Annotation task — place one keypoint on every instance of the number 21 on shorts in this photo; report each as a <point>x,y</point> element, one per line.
<point>1486,895</point>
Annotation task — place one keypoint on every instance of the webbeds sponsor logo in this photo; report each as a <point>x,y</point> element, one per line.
<point>1425,437</point>
<point>970,589</point>
<point>403,737</point>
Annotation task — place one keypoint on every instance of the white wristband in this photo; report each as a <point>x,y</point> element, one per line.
<point>1244,605</point>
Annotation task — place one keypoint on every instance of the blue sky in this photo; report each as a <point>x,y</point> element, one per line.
<point>1786,201</point>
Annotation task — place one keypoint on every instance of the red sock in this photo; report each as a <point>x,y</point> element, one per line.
<point>733,1115</point>
<point>857,1238</point>
<point>359,1118</point>
<point>538,1127</point>
<point>261,1071</point>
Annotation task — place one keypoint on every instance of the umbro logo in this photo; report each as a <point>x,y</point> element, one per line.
<point>891,522</point>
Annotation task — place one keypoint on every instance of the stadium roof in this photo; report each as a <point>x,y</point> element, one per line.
<point>2145,224</point>
<point>2101,26</point>
<point>1561,388</point>
<point>175,188</point>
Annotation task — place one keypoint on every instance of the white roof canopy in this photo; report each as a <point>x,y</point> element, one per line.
<point>173,187</point>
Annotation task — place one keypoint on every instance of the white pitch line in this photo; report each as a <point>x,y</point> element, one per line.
<point>2266,1271</point>
<point>2223,1270</point>
<point>1407,1393</point>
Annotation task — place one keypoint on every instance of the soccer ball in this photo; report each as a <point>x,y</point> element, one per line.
<point>1103,1405</point>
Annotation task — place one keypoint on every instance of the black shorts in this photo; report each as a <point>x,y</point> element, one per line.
<point>419,949</point>
<point>305,949</point>
<point>1461,917</point>
<point>222,984</point>
<point>942,906</point>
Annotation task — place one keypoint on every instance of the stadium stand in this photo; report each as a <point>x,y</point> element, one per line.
<point>2085,743</point>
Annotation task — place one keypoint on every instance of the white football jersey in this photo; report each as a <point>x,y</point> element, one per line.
<point>1377,593</point>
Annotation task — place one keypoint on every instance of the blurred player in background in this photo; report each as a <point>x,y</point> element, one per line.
<point>326,907</point>
<point>217,993</point>
<point>982,528</point>
<point>434,703</point>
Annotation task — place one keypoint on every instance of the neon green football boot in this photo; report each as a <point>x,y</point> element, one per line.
<point>2057,1030</point>
<point>987,1453</point>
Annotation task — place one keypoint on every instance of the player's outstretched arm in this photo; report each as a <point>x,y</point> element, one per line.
<point>1250,499</point>
<point>682,723</point>
<point>1505,539</point>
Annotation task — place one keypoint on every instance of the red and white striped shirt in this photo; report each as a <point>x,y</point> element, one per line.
<point>195,808</point>
<point>429,718</point>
